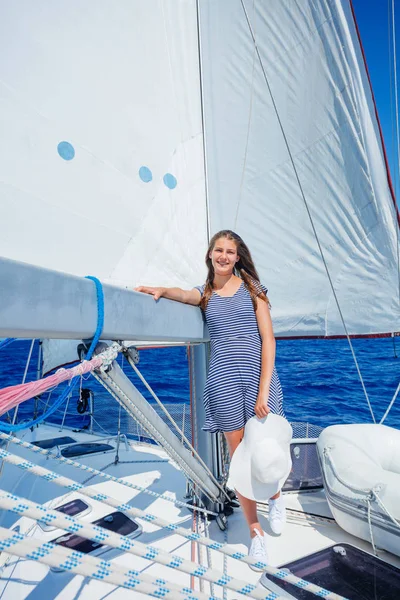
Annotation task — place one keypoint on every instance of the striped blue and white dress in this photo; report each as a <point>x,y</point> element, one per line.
<point>233,378</point>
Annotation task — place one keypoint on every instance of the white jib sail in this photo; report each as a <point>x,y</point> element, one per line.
<point>310,54</point>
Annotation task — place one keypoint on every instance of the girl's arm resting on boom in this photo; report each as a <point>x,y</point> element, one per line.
<point>267,357</point>
<point>186,296</point>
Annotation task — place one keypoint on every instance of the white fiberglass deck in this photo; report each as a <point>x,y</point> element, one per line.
<point>310,526</point>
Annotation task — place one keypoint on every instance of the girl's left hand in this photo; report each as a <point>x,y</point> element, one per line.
<point>261,408</point>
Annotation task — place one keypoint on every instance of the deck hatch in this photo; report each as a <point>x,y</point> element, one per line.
<point>345,570</point>
<point>117,522</point>
<point>73,508</point>
<point>86,448</point>
<point>52,442</point>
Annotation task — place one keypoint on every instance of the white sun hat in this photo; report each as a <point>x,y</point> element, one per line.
<point>261,463</point>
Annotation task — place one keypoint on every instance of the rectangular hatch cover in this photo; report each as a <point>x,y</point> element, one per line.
<point>345,570</point>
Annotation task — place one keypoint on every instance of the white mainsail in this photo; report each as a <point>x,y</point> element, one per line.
<point>134,88</point>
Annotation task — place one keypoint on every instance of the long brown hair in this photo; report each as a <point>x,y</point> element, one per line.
<point>244,267</point>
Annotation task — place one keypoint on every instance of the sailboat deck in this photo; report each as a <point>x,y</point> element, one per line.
<point>310,526</point>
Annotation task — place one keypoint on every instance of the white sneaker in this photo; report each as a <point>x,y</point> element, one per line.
<point>258,550</point>
<point>277,514</point>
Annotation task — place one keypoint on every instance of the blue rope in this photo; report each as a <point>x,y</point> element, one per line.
<point>100,323</point>
<point>100,315</point>
<point>6,342</point>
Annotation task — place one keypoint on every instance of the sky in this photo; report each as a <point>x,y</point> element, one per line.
<point>372,18</point>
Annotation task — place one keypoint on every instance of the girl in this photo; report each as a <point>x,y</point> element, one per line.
<point>242,379</point>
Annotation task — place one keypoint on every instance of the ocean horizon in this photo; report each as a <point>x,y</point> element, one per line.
<point>319,381</point>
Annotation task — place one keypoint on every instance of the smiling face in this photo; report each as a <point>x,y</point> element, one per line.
<point>224,256</point>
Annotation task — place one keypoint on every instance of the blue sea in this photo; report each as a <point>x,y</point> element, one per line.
<point>319,380</point>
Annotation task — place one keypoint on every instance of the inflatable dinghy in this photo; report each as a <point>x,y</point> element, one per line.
<point>360,466</point>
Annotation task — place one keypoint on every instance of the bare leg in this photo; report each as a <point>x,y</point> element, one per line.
<point>249,507</point>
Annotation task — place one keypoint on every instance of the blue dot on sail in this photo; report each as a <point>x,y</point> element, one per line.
<point>170,181</point>
<point>66,150</point>
<point>145,174</point>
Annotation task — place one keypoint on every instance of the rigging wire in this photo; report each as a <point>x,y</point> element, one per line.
<point>203,127</point>
<point>116,392</point>
<point>396,153</point>
<point>28,360</point>
<point>248,130</point>
<point>38,376</point>
<point>397,138</point>
<point>6,342</point>
<point>389,408</point>
<point>391,92</point>
<point>176,426</point>
<point>307,209</point>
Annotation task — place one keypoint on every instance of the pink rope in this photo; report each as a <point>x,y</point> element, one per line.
<point>15,394</point>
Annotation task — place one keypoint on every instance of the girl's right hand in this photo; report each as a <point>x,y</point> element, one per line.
<point>156,292</point>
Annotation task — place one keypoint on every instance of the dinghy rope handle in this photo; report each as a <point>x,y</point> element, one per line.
<point>99,328</point>
<point>371,494</point>
<point>49,516</point>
